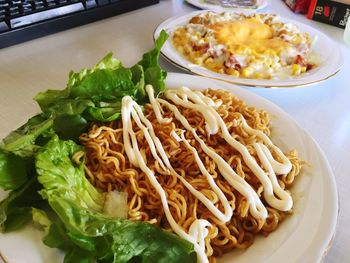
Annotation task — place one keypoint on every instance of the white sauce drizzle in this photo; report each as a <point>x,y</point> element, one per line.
<point>257,209</point>
<point>197,231</point>
<point>283,201</point>
<point>213,123</point>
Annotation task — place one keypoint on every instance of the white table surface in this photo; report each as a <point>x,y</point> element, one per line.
<point>323,109</point>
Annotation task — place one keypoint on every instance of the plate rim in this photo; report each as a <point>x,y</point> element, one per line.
<point>196,3</point>
<point>238,81</point>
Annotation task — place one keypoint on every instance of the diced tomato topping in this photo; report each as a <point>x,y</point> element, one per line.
<point>202,48</point>
<point>232,62</point>
<point>300,61</point>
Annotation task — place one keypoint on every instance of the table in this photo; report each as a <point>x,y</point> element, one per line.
<point>322,110</point>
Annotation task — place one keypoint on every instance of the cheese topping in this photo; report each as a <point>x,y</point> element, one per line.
<point>257,46</point>
<point>251,33</point>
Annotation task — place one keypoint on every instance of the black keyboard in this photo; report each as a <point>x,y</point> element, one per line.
<point>23,20</point>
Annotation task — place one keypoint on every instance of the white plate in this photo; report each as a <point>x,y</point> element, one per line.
<point>331,60</point>
<point>260,4</point>
<point>302,237</point>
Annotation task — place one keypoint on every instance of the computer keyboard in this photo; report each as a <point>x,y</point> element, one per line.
<point>23,20</point>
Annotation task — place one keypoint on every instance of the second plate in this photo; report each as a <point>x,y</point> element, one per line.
<point>330,64</point>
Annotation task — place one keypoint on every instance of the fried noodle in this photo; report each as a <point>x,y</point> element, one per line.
<point>108,168</point>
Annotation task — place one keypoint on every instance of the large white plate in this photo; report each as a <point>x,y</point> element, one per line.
<point>260,4</point>
<point>302,237</point>
<point>331,60</point>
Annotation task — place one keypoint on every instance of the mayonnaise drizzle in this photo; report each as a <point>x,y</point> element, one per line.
<point>213,123</point>
<point>197,230</point>
<point>256,208</point>
<point>273,193</point>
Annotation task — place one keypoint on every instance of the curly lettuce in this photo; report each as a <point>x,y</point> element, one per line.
<point>47,188</point>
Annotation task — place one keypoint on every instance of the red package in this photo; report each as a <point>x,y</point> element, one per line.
<point>335,13</point>
<point>298,6</point>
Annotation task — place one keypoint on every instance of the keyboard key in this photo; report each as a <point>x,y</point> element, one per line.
<point>90,4</point>
<point>4,5</point>
<point>39,5</point>
<point>14,13</point>
<point>3,27</point>
<point>14,10</point>
<point>102,2</point>
<point>6,9</point>
<point>27,8</point>
<point>51,3</point>
<point>45,15</point>
<point>32,4</point>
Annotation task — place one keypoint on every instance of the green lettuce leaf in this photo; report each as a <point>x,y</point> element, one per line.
<point>154,75</point>
<point>23,141</point>
<point>50,97</point>
<point>57,237</point>
<point>13,171</point>
<point>60,177</point>
<point>95,94</point>
<point>108,62</point>
<point>105,85</point>
<point>107,112</point>
<point>15,210</point>
<point>18,148</point>
<point>90,89</point>
<point>69,106</point>
<point>41,219</point>
<point>70,126</point>
<point>138,78</point>
<point>79,206</point>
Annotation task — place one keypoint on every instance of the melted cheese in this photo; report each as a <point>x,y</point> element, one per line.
<point>250,32</point>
